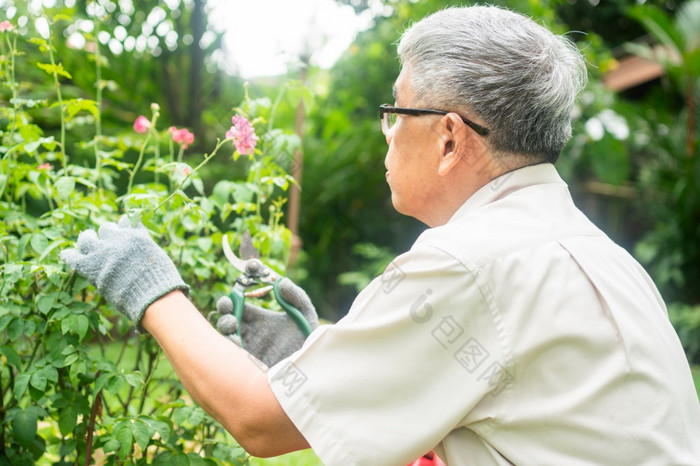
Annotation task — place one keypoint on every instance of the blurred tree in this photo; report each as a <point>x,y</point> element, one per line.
<point>678,51</point>
<point>670,178</point>
<point>149,51</point>
<point>608,18</point>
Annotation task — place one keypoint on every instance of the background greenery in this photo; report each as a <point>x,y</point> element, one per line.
<point>638,179</point>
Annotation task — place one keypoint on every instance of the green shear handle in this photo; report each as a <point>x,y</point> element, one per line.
<point>254,272</point>
<point>238,298</point>
<point>291,311</point>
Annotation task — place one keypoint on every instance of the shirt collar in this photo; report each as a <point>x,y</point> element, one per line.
<point>543,173</point>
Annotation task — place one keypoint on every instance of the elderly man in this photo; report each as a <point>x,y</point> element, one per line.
<point>513,331</point>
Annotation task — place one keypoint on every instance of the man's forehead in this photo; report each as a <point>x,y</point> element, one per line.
<point>402,87</point>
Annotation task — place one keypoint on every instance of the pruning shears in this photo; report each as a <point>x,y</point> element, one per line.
<point>254,273</point>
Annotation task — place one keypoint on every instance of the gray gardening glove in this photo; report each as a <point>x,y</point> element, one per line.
<point>268,335</point>
<point>125,265</point>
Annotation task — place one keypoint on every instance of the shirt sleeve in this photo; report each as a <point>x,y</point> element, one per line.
<point>417,351</point>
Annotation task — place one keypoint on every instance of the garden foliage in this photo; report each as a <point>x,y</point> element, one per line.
<point>77,385</point>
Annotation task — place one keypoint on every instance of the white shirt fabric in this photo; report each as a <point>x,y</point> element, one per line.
<point>517,333</point>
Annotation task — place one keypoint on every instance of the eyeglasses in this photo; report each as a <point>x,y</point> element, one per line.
<point>388,115</point>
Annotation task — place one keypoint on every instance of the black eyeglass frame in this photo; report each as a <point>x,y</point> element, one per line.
<point>386,108</point>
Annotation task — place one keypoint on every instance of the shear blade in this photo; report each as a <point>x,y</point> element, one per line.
<point>231,256</point>
<point>247,250</point>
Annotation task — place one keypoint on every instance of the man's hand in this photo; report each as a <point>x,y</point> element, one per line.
<point>125,265</point>
<point>268,335</point>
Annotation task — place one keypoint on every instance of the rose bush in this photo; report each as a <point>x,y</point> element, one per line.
<point>77,385</point>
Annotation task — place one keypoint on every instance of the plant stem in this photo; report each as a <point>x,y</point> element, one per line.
<point>690,131</point>
<point>131,387</point>
<point>12,46</point>
<point>273,111</point>
<point>11,81</point>
<point>48,195</point>
<point>96,405</point>
<point>138,162</point>
<point>180,152</point>
<point>98,119</point>
<point>57,85</point>
<point>207,158</point>
<point>34,351</point>
<point>122,351</point>
<point>171,145</point>
<point>149,373</point>
<point>156,159</point>
<point>2,419</point>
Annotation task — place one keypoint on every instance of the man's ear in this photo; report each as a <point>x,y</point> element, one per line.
<point>454,140</point>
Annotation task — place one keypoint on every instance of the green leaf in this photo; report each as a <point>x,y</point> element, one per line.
<point>39,380</point>
<point>81,325</point>
<point>76,105</point>
<point>51,374</point>
<point>658,24</point>
<point>196,417</point>
<point>189,222</point>
<point>31,146</point>
<point>43,45</point>
<point>114,384</point>
<point>181,415</point>
<point>163,428</point>
<point>67,419</point>
<point>242,192</point>
<point>101,381</point>
<point>13,272</point>
<point>4,320</point>
<point>67,447</point>
<point>142,433</point>
<point>74,324</point>
<point>111,445</point>
<point>70,359</point>
<point>171,459</point>
<point>126,441</point>
<point>54,244</point>
<point>46,302</point>
<point>56,69</point>
<point>24,427</point>
<point>63,17</point>
<point>198,185</point>
<point>196,460</point>
<point>610,160</point>
<point>79,367</point>
<point>11,357</point>
<point>134,379</point>
<point>39,242</point>
<point>205,243</point>
<point>29,328</point>
<point>221,191</point>
<point>14,330</point>
<point>21,383</point>
<point>64,187</point>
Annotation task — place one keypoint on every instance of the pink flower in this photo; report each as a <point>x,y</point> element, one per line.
<point>142,124</point>
<point>6,26</point>
<point>181,136</point>
<point>44,166</point>
<point>243,135</point>
<point>184,169</point>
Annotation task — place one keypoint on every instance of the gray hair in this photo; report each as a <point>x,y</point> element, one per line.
<point>512,74</point>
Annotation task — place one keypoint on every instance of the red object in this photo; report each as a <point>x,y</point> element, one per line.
<point>429,459</point>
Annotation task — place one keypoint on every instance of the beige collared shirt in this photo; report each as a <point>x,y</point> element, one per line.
<point>517,333</point>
